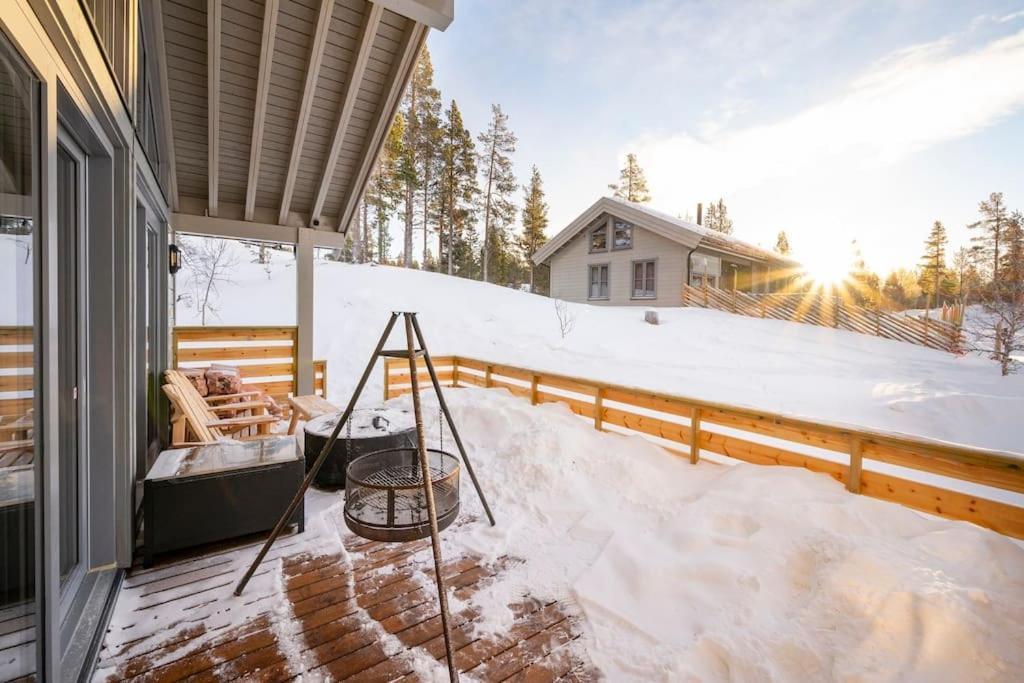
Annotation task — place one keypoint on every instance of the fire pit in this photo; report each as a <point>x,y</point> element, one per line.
<point>384,498</point>
<point>367,431</point>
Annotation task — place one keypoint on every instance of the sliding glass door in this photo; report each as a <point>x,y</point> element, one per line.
<point>20,459</point>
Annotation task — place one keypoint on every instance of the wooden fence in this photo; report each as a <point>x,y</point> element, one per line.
<point>689,427</point>
<point>15,354</point>
<point>266,356</point>
<point>829,312</point>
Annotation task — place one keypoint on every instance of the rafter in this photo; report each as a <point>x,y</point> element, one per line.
<point>260,115</point>
<point>213,21</point>
<point>398,81</point>
<point>371,20</point>
<point>165,100</point>
<point>316,56</point>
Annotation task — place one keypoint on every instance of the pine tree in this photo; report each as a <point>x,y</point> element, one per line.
<point>717,217</point>
<point>1011,264</point>
<point>782,243</point>
<point>384,192</point>
<point>632,185</point>
<point>535,221</point>
<point>457,189</point>
<point>991,229</point>
<point>428,152</point>
<point>416,106</point>
<point>933,262</point>
<point>967,278</point>
<point>496,144</point>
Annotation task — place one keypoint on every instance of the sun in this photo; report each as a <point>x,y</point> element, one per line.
<point>827,266</point>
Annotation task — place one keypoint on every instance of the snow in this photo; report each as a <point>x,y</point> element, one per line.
<point>806,371</point>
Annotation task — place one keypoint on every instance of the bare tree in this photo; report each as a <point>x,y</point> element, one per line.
<point>1000,331</point>
<point>209,262</point>
<point>566,318</point>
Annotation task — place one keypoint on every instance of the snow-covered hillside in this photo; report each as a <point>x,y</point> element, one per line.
<point>802,370</point>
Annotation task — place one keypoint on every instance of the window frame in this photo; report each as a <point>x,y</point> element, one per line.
<point>608,281</point>
<point>632,286</point>
<point>595,229</point>
<point>632,232</point>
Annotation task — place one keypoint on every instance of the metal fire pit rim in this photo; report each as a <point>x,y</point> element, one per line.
<point>399,534</point>
<point>402,487</point>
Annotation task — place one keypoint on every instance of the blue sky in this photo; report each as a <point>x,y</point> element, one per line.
<point>833,121</point>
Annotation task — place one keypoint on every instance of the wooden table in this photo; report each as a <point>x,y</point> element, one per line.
<point>308,407</point>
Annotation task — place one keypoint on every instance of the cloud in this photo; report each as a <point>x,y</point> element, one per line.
<point>911,100</point>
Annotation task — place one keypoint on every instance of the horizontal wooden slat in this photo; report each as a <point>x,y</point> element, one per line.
<point>276,389</point>
<point>577,406</point>
<point>761,454</point>
<point>566,384</point>
<point>646,424</point>
<point>422,376</point>
<point>266,370</point>
<point>511,372</point>
<point>15,406</point>
<point>999,474</point>
<point>647,400</point>
<point>16,382</point>
<point>233,354</point>
<point>20,335</point>
<point>235,334</point>
<point>1006,519</point>
<point>16,360</point>
<point>514,389</point>
<point>777,428</point>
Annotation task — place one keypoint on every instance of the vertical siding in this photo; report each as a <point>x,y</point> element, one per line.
<point>570,270</point>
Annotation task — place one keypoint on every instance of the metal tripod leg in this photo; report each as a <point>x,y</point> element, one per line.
<point>428,490</point>
<point>283,522</point>
<point>448,417</point>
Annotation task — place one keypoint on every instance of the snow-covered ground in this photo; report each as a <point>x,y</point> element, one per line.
<point>800,370</point>
<point>700,572</point>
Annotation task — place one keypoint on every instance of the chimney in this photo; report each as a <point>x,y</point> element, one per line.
<point>700,213</point>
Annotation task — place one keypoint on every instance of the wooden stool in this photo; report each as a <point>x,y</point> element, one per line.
<point>308,407</point>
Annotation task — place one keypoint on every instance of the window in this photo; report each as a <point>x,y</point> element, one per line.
<point>599,237</point>
<point>598,282</point>
<point>622,235</point>
<point>643,280</point>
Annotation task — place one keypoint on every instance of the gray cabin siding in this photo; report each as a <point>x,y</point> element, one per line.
<point>570,270</point>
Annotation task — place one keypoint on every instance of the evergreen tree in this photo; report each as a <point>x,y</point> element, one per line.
<point>535,221</point>
<point>428,155</point>
<point>384,191</point>
<point>1011,264</point>
<point>782,243</point>
<point>967,278</point>
<point>933,262</point>
<point>416,106</point>
<point>456,193</point>
<point>717,217</point>
<point>497,143</point>
<point>632,185</point>
<point>893,293</point>
<point>991,228</point>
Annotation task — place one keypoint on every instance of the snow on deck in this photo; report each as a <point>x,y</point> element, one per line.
<point>628,562</point>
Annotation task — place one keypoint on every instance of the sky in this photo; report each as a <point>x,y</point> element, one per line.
<point>833,121</point>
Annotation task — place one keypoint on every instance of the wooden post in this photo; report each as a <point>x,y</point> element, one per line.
<point>856,457</point>
<point>763,304</point>
<point>455,371</point>
<point>387,379</point>
<point>598,408</point>
<point>704,284</point>
<point>878,322</point>
<point>926,316</point>
<point>534,381</point>
<point>487,376</point>
<point>694,435</point>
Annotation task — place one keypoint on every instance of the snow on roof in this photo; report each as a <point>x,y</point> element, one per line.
<point>689,234</point>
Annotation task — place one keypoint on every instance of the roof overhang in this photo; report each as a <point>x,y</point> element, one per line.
<point>278,119</point>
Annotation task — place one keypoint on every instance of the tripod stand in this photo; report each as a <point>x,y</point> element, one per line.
<point>412,329</point>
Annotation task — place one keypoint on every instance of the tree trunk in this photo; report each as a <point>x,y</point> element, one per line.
<point>487,215</point>
<point>426,206</point>
<point>367,235</point>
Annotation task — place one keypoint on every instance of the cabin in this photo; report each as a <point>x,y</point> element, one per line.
<point>620,253</point>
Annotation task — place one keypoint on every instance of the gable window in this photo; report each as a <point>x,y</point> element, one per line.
<point>644,279</point>
<point>599,237</point>
<point>622,234</point>
<point>598,282</point>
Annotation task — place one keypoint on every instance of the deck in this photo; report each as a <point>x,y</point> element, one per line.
<point>365,611</point>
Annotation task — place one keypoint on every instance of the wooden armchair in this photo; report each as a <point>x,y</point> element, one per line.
<point>195,421</point>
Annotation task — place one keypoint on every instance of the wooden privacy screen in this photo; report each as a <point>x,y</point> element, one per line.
<point>844,453</point>
<point>828,312</point>
<point>16,356</point>
<point>266,356</point>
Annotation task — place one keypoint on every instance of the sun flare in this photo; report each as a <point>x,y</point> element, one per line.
<point>827,265</point>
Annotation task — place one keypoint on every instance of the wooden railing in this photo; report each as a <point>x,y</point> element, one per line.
<point>689,427</point>
<point>266,356</point>
<point>829,312</point>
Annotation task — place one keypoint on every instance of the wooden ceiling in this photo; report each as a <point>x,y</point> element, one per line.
<point>278,108</point>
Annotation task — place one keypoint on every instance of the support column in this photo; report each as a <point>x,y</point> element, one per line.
<point>304,310</point>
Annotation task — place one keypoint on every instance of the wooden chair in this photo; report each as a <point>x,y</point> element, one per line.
<point>195,421</point>
<point>178,379</point>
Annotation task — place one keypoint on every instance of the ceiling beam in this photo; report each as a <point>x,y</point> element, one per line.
<point>213,21</point>
<point>316,56</point>
<point>260,115</point>
<point>157,39</point>
<point>251,230</point>
<point>398,81</point>
<point>371,21</point>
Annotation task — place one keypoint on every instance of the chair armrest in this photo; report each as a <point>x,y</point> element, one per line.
<point>248,405</point>
<point>242,421</point>
<point>219,398</point>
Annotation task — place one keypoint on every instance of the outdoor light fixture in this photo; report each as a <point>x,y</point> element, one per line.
<point>174,258</point>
